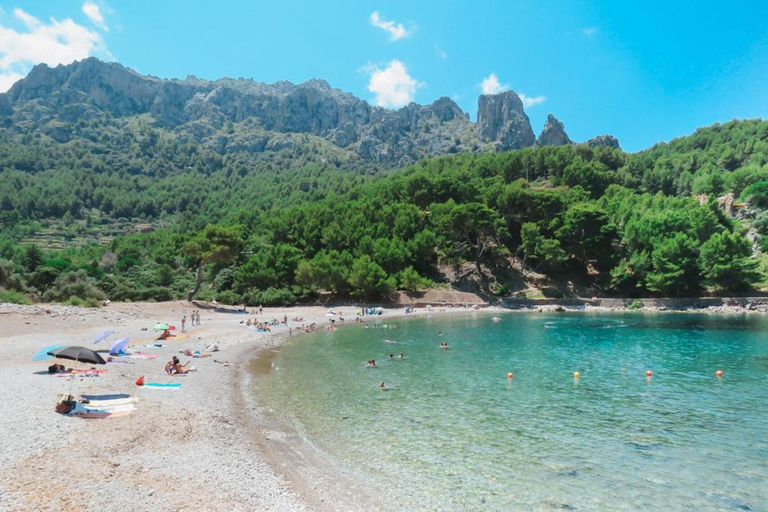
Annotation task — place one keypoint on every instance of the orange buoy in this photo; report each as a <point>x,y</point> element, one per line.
<point>648,373</point>
<point>509,375</point>
<point>576,375</point>
<point>719,374</point>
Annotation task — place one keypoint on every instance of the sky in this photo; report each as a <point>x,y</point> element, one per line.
<point>643,71</point>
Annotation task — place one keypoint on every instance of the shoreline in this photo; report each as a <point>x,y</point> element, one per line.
<point>315,475</point>
<point>210,446</point>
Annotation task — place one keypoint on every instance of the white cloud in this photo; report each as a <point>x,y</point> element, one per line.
<point>8,79</point>
<point>396,30</point>
<point>531,101</point>
<point>439,52</point>
<point>393,86</point>
<point>590,31</point>
<point>94,14</point>
<point>491,85</point>
<point>58,42</point>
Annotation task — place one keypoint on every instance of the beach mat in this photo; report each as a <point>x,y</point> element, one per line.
<point>114,396</point>
<point>162,385</point>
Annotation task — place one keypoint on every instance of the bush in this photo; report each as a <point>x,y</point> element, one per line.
<point>74,284</point>
<point>227,297</point>
<point>14,297</point>
<point>271,297</point>
<point>85,303</point>
<point>636,304</point>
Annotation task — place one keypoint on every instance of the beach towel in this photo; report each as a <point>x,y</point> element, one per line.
<point>140,355</point>
<point>162,385</point>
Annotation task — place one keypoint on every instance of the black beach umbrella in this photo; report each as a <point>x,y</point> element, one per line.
<point>78,354</point>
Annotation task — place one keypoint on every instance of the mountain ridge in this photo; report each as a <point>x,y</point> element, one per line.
<point>50,99</point>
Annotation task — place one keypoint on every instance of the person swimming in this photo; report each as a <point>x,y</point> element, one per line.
<point>372,363</point>
<point>391,356</point>
<point>443,345</point>
<point>401,356</point>
<point>381,385</point>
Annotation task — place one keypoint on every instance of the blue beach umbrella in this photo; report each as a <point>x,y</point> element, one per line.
<point>103,336</point>
<point>43,356</point>
<point>118,346</point>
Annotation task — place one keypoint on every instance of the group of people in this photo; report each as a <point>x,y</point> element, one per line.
<point>194,318</point>
<point>260,326</point>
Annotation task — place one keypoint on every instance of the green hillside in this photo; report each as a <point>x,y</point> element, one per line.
<point>266,228</point>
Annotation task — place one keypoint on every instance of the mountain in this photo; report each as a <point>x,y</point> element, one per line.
<point>553,133</point>
<point>234,115</point>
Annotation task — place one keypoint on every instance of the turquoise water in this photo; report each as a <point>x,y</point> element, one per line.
<point>453,433</point>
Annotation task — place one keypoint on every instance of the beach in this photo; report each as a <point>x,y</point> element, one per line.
<point>205,446</point>
<point>210,445</point>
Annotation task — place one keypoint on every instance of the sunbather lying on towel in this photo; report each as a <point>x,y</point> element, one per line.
<point>197,353</point>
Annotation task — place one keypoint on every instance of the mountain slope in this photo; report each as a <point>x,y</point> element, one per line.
<point>53,100</point>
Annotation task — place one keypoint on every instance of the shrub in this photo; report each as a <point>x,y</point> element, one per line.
<point>14,297</point>
<point>636,304</point>
<point>74,284</point>
<point>271,297</point>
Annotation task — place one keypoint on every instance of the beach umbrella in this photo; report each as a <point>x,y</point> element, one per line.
<point>103,336</point>
<point>160,327</point>
<point>42,355</point>
<point>118,347</point>
<point>78,354</point>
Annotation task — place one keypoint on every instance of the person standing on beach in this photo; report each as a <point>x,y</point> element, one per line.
<point>183,323</point>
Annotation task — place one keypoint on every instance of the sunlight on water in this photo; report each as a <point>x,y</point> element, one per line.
<point>453,433</point>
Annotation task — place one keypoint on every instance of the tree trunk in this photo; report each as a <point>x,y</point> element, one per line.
<point>191,294</point>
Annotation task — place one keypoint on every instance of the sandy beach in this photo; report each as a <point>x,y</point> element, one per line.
<point>205,446</point>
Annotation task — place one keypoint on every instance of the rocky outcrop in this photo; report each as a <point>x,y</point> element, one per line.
<point>553,133</point>
<point>502,119</point>
<point>603,140</point>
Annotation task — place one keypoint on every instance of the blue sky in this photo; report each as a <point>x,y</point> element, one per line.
<point>642,71</point>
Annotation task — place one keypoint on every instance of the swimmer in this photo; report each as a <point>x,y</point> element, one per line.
<point>443,345</point>
<point>391,356</point>
<point>381,385</point>
<point>400,355</point>
<point>439,333</point>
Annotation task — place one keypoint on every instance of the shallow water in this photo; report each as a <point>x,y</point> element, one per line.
<point>453,433</point>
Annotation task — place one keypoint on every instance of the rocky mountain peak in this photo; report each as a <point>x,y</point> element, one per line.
<point>446,109</point>
<point>553,133</point>
<point>501,118</point>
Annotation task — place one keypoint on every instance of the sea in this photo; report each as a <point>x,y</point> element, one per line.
<point>453,430</point>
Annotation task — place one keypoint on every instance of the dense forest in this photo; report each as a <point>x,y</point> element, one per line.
<point>243,228</point>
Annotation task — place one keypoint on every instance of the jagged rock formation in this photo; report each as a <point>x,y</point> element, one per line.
<point>553,133</point>
<point>502,119</point>
<point>265,117</point>
<point>603,140</point>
